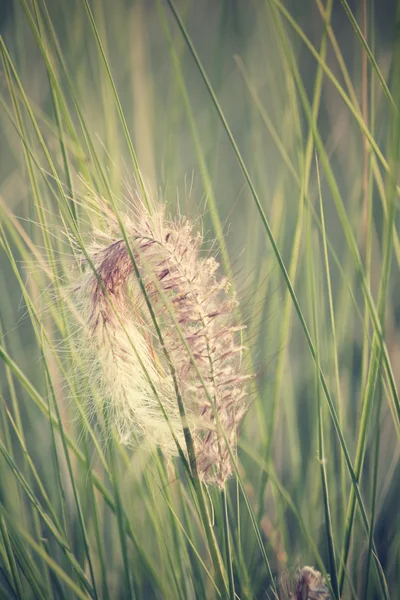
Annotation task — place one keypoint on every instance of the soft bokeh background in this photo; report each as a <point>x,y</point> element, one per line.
<point>264,76</point>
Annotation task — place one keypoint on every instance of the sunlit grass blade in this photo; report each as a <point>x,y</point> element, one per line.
<point>51,563</point>
<point>312,249</point>
<point>11,560</point>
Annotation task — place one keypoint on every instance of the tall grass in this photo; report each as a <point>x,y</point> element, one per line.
<point>274,127</point>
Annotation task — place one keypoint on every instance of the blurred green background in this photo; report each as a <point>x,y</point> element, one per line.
<point>313,112</point>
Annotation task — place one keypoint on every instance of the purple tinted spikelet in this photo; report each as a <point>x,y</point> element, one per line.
<point>182,288</point>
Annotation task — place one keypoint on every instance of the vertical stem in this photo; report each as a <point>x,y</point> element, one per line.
<point>228,547</point>
<point>364,110</point>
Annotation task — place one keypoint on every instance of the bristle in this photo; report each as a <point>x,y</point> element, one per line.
<point>182,288</point>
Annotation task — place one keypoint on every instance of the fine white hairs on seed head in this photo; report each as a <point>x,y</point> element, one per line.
<point>193,350</point>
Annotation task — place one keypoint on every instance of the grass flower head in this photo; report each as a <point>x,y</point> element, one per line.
<point>189,346</point>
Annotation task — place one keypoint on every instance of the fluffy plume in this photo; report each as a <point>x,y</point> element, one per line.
<point>134,370</point>
<point>311,585</point>
<point>306,584</point>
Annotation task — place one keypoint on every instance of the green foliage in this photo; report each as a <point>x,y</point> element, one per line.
<point>278,127</point>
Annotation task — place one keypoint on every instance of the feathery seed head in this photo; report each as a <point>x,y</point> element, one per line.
<point>195,350</point>
<point>311,585</point>
<point>306,584</point>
